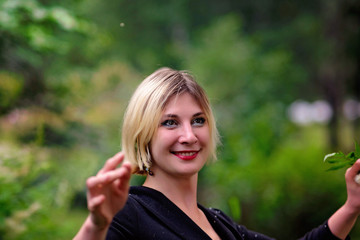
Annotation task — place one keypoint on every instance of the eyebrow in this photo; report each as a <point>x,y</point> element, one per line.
<point>175,116</point>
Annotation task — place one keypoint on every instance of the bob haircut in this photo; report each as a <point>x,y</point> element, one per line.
<point>145,108</point>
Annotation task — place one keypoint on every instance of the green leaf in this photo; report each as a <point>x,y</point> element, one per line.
<point>335,157</point>
<point>351,157</point>
<point>340,160</point>
<point>339,166</point>
<point>335,161</point>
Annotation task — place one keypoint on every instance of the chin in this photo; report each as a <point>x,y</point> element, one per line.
<point>189,171</point>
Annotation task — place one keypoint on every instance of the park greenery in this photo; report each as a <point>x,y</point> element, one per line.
<point>68,68</point>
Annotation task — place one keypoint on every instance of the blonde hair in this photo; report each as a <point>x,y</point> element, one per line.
<point>145,108</point>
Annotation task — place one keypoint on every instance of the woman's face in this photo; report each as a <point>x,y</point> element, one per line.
<point>179,147</point>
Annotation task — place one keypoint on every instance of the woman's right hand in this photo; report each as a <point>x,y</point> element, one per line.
<point>108,191</point>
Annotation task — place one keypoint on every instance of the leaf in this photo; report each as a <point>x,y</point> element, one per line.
<point>335,157</point>
<point>340,160</point>
<point>339,166</point>
<point>332,161</point>
<point>328,156</point>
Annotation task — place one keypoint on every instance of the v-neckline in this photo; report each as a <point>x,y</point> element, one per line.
<point>168,211</point>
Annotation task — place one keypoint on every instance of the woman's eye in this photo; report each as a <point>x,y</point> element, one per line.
<point>169,123</point>
<point>199,121</point>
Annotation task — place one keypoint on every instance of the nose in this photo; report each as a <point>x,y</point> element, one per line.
<point>187,135</point>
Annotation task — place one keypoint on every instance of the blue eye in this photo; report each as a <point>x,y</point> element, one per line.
<point>199,121</point>
<point>169,123</point>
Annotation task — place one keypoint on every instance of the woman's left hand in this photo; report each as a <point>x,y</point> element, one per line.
<point>343,220</point>
<point>353,188</point>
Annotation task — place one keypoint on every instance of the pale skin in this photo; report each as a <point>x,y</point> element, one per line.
<point>343,220</point>
<point>176,174</point>
<point>107,194</point>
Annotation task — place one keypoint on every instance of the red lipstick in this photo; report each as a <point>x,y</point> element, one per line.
<point>186,155</point>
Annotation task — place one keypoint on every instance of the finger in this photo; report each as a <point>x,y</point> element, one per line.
<point>91,182</point>
<point>353,171</point>
<point>101,181</point>
<point>95,202</point>
<point>95,183</point>
<point>124,183</point>
<point>112,163</point>
<point>123,173</point>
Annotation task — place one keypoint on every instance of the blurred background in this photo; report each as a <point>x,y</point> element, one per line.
<point>282,76</point>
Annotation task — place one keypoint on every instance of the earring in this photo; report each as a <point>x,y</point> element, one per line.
<point>149,171</point>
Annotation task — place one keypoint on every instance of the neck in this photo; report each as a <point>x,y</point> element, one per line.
<point>182,191</point>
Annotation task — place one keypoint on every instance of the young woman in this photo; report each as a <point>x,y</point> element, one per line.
<point>169,133</point>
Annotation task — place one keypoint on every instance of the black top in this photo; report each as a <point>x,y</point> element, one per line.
<point>148,214</point>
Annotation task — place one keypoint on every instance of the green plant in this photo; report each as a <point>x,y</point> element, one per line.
<point>341,160</point>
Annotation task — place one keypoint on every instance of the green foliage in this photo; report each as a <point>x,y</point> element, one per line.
<point>340,160</point>
<point>265,162</point>
<point>46,155</point>
<point>290,184</point>
<point>253,100</point>
<point>11,86</point>
<point>234,207</point>
<point>24,179</point>
<point>38,25</point>
<point>37,188</point>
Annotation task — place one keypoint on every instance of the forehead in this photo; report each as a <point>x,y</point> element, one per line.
<point>185,102</point>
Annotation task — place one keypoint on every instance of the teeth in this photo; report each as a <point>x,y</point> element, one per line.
<point>187,153</point>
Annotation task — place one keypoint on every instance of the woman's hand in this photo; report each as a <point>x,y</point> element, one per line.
<point>353,188</point>
<point>107,194</point>
<point>108,191</point>
<point>343,220</point>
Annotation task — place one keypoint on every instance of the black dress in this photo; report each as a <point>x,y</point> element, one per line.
<point>148,214</point>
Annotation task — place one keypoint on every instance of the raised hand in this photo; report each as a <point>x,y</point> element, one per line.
<point>343,220</point>
<point>353,187</point>
<point>108,190</point>
<point>107,194</point>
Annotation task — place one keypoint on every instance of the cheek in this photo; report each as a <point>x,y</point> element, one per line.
<point>166,137</point>
<point>160,142</point>
<point>155,151</point>
<point>204,136</point>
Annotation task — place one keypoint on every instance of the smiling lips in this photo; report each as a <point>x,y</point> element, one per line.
<point>186,155</point>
